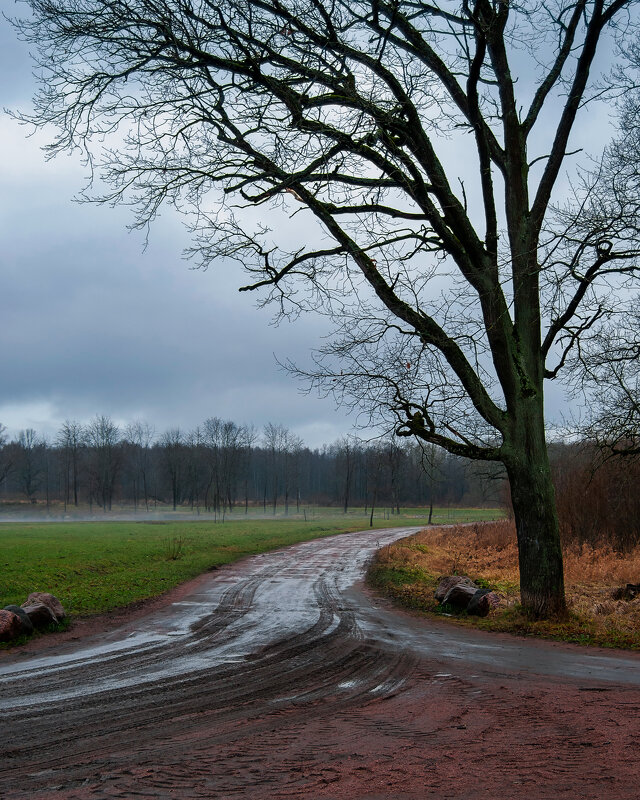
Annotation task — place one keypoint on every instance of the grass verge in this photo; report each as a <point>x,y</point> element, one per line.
<point>409,571</point>
<point>95,567</point>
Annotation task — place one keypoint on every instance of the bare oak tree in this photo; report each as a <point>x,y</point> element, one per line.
<point>417,144</point>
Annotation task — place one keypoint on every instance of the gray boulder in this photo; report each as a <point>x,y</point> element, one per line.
<point>482,602</point>
<point>40,615</point>
<point>448,582</point>
<point>628,592</point>
<point>48,600</point>
<point>459,596</point>
<point>26,626</point>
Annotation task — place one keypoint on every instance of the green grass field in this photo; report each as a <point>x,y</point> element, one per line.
<point>97,566</point>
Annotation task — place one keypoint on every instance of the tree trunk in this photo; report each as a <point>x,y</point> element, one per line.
<point>534,508</point>
<point>146,493</point>
<point>75,482</point>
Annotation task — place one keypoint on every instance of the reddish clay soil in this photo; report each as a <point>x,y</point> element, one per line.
<point>281,677</point>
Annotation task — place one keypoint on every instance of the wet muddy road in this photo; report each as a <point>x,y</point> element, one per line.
<point>282,677</point>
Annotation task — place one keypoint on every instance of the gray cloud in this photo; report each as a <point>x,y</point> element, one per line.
<point>94,323</point>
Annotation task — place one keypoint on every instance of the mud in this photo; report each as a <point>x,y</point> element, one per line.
<point>282,677</point>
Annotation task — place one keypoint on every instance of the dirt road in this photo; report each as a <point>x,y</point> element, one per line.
<point>282,677</point>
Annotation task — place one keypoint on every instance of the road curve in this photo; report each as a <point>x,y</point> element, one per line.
<point>283,677</point>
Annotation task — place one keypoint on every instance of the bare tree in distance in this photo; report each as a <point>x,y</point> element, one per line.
<point>249,438</point>
<point>234,438</point>
<point>29,464</point>
<point>172,442</point>
<point>6,460</point>
<point>418,147</point>
<point>375,462</point>
<point>283,449</point>
<point>212,435</point>
<point>71,438</point>
<point>345,450</point>
<point>141,435</point>
<point>430,459</point>
<point>194,442</point>
<point>103,441</point>
<point>291,469</point>
<point>225,444</point>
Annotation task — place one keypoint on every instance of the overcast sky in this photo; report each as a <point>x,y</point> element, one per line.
<point>94,324</point>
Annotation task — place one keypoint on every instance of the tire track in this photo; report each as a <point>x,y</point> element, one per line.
<point>281,678</point>
<point>186,678</point>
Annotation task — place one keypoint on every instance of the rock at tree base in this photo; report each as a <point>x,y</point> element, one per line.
<point>460,595</point>
<point>448,582</point>
<point>482,602</point>
<point>40,615</point>
<point>628,592</point>
<point>9,625</point>
<point>48,600</point>
<point>26,626</point>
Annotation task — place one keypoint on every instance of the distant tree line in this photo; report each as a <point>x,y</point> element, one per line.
<point>222,467</point>
<point>598,497</point>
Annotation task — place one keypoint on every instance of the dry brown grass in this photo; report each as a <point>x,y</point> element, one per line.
<point>487,552</point>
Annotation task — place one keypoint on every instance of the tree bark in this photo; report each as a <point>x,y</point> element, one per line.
<point>534,508</point>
